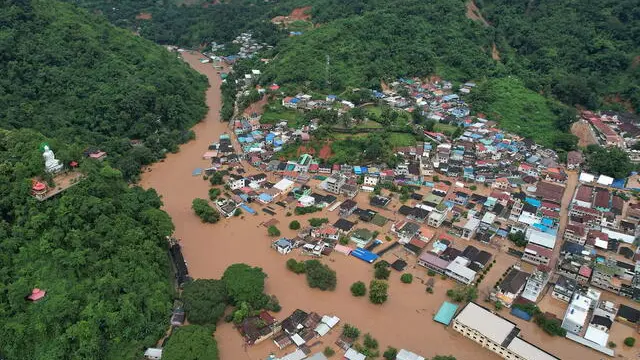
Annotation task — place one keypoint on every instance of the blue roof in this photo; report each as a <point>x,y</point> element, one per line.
<point>364,255</point>
<point>547,222</point>
<point>357,170</point>
<point>618,183</point>
<point>294,100</point>
<point>364,169</point>
<point>248,209</point>
<point>265,197</point>
<point>332,96</point>
<point>520,314</point>
<point>196,171</point>
<point>445,313</point>
<point>534,202</point>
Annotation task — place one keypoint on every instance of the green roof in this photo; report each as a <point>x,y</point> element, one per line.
<point>445,313</point>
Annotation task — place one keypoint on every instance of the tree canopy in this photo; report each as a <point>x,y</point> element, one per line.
<point>191,342</point>
<point>611,162</point>
<point>320,275</point>
<point>74,77</point>
<point>98,250</point>
<point>204,301</point>
<point>245,284</point>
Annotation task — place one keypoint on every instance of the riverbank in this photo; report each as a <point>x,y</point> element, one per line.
<point>405,321</point>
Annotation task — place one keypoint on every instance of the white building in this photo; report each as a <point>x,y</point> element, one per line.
<point>236,182</point>
<point>408,355</point>
<point>496,334</point>
<point>576,315</point>
<point>370,180</point>
<point>459,271</point>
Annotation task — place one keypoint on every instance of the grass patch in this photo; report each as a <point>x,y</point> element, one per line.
<point>275,113</point>
<point>518,109</point>
<point>402,139</point>
<point>444,128</point>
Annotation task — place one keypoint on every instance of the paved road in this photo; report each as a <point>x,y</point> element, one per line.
<point>572,183</point>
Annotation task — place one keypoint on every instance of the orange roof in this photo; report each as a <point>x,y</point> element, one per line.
<point>36,294</point>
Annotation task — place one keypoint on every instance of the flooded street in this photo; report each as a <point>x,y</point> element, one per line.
<point>405,321</point>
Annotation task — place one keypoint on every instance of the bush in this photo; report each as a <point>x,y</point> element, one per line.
<point>390,353</point>
<point>630,341</point>
<point>320,275</point>
<point>273,231</point>
<point>430,290</point>
<point>214,193</point>
<point>316,222</point>
<point>378,291</point>
<point>612,345</point>
<point>294,225</point>
<point>358,289</point>
<point>498,305</point>
<point>370,342</point>
<point>463,293</point>
<point>205,212</point>
<point>287,214</point>
<point>306,210</point>
<point>473,188</point>
<point>328,352</point>
<point>431,272</point>
<point>350,332</point>
<point>238,212</point>
<point>382,273</point>
<point>273,304</point>
<point>406,278</point>
<point>443,277</point>
<point>295,266</point>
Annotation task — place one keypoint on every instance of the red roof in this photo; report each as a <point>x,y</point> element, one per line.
<point>550,213</point>
<point>541,251</point>
<point>584,193</point>
<point>577,229</point>
<point>585,271</point>
<point>314,167</point>
<point>73,164</point>
<point>38,186</point>
<point>274,87</point>
<point>36,294</point>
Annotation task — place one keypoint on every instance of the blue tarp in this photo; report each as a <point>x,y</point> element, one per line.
<point>265,197</point>
<point>520,314</point>
<point>248,209</point>
<point>364,255</point>
<point>196,172</point>
<point>619,183</point>
<point>547,222</point>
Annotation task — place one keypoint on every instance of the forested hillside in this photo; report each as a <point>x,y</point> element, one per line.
<point>78,79</point>
<point>97,250</point>
<point>584,52</point>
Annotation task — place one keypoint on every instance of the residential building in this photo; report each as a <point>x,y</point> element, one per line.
<point>361,237</point>
<point>371,180</point>
<point>458,270</point>
<point>236,182</point>
<point>347,208</point>
<point>536,283</point>
<point>349,190</point>
<point>564,288</point>
<point>335,182</point>
<point>283,246</point>
<point>433,262</point>
<point>600,324</point>
<point>496,334</point>
<point>576,315</point>
<point>537,255</point>
<point>575,233</point>
<point>437,216</point>
<point>510,288</point>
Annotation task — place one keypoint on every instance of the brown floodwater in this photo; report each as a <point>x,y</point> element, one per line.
<point>405,321</point>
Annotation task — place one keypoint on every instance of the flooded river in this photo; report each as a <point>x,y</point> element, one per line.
<point>405,321</point>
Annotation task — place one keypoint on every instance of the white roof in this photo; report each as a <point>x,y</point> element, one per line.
<point>458,266</point>
<point>541,238</point>
<point>354,355</point>
<point>492,326</point>
<point>330,320</point>
<point>586,177</point>
<point>296,355</point>
<point>317,356</point>
<point>472,224</point>
<point>297,339</point>
<point>322,329</point>
<point>618,236</point>
<point>408,355</point>
<point>489,218</point>
<point>596,335</point>
<point>578,309</point>
<point>528,351</point>
<point>605,180</point>
<point>255,72</point>
<point>153,353</point>
<point>602,244</point>
<point>283,185</point>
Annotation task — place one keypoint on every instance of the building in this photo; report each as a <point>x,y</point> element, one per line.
<point>600,324</point>
<point>537,255</point>
<point>575,317</point>
<point>510,288</point>
<point>408,355</point>
<point>335,182</point>
<point>283,246</point>
<point>347,208</point>
<point>536,284</point>
<point>459,271</point>
<point>496,334</point>
<point>433,262</point>
<point>370,180</point>
<point>153,354</point>
<point>361,237</point>
<point>236,182</point>
<point>564,288</point>
<point>437,216</point>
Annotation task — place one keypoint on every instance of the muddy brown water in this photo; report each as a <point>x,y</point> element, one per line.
<point>405,321</point>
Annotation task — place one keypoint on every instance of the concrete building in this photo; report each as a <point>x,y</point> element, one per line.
<point>575,318</point>
<point>564,288</point>
<point>335,182</point>
<point>510,288</point>
<point>496,334</point>
<point>536,284</point>
<point>459,271</point>
<point>437,216</point>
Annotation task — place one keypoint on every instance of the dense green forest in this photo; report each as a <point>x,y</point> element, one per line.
<point>99,252</point>
<point>76,78</point>
<point>581,51</point>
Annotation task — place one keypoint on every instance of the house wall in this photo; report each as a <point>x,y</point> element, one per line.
<point>535,259</point>
<point>485,342</point>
